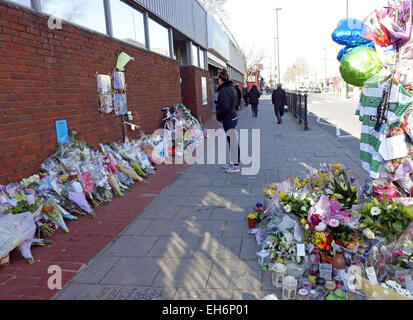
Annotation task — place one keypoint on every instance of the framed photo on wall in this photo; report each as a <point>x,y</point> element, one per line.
<point>119,102</point>
<point>104,84</point>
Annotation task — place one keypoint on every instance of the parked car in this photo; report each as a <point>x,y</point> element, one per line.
<point>317,90</point>
<point>302,90</point>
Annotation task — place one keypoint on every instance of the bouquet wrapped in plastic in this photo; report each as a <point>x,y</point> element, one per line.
<point>17,231</point>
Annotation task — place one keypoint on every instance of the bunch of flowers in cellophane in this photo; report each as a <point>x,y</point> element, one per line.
<point>131,151</point>
<point>74,192</point>
<point>281,247</point>
<point>145,143</point>
<point>16,231</point>
<point>340,186</point>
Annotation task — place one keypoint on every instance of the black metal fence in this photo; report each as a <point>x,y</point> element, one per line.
<point>297,105</point>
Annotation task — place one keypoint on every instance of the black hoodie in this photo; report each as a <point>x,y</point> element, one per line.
<point>227,101</point>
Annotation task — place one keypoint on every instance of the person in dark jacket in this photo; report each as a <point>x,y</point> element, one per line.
<point>227,114</point>
<point>239,97</point>
<point>279,100</point>
<point>254,99</point>
<point>245,94</point>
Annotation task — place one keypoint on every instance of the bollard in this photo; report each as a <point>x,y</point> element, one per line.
<point>305,113</point>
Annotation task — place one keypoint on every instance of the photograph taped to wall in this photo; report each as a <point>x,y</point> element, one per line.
<point>106,103</point>
<point>119,81</point>
<point>119,102</point>
<point>104,84</point>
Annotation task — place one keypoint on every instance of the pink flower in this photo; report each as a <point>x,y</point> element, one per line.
<point>334,223</point>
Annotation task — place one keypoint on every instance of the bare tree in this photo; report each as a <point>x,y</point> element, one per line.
<point>297,70</point>
<point>216,7</point>
<point>254,56</point>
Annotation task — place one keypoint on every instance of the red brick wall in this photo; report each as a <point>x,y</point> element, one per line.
<point>192,91</point>
<point>48,75</point>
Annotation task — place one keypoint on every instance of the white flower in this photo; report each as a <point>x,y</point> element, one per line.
<point>389,207</point>
<point>375,211</point>
<point>287,208</point>
<point>321,227</point>
<point>312,203</point>
<point>295,195</point>
<point>307,227</point>
<point>303,209</point>
<point>321,212</point>
<point>369,234</point>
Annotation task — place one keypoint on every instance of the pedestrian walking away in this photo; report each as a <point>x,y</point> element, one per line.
<point>254,97</point>
<point>279,100</point>
<point>227,115</point>
<point>239,95</point>
<point>245,94</point>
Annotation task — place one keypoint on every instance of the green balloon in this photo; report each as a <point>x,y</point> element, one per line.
<point>359,65</point>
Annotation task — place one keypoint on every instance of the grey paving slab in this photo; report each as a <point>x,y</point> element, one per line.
<point>159,212</point>
<point>190,273</point>
<point>204,294</point>
<point>146,293</point>
<point>226,248</point>
<point>236,228</point>
<point>137,227</point>
<point>78,291</point>
<point>130,246</point>
<point>140,271</point>
<point>193,213</point>
<point>201,228</point>
<point>232,274</point>
<point>175,246</point>
<point>96,270</point>
<point>230,214</point>
<point>163,227</point>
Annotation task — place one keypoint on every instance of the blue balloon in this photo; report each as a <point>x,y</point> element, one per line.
<point>349,32</point>
<point>347,49</point>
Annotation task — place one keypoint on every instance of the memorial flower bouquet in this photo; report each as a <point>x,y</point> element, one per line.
<point>340,187</point>
<point>387,218</point>
<point>296,203</point>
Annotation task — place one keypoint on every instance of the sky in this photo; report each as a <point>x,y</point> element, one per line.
<point>305,28</point>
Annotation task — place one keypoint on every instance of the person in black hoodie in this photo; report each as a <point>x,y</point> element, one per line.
<point>227,114</point>
<point>239,97</point>
<point>254,98</point>
<point>279,100</point>
<point>245,94</point>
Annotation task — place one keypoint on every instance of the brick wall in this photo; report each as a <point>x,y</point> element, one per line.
<point>192,92</point>
<point>48,75</point>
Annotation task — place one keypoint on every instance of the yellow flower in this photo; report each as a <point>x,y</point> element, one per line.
<point>337,166</point>
<point>320,236</point>
<point>303,222</point>
<point>252,216</point>
<point>353,188</point>
<point>297,182</point>
<point>282,195</point>
<point>333,197</point>
<point>280,260</point>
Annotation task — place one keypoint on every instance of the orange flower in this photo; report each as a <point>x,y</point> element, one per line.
<point>322,244</point>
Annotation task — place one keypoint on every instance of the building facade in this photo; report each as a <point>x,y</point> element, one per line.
<point>51,51</point>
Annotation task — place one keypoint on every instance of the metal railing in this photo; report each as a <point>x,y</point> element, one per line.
<point>297,105</point>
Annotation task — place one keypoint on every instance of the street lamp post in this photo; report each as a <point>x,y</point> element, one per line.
<point>325,69</point>
<point>347,87</point>
<point>278,45</point>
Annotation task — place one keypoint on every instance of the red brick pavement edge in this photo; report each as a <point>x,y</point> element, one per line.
<point>87,236</point>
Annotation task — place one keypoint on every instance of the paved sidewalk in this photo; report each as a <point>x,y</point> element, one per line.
<point>192,241</point>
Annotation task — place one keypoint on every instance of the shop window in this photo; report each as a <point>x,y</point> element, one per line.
<point>127,23</point>
<point>87,13</point>
<point>25,3</point>
<point>194,50</point>
<point>158,38</point>
<point>201,58</point>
